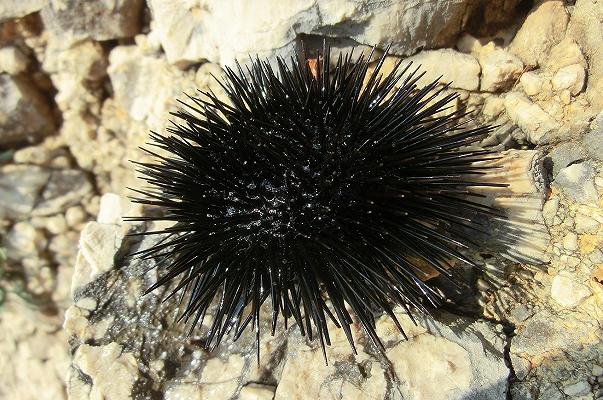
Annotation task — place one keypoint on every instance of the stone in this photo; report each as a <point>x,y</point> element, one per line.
<point>24,114</point>
<point>565,53</point>
<point>20,187</point>
<point>571,77</point>
<point>544,27</point>
<point>19,8</point>
<point>75,20</point>
<point>65,188</point>
<point>113,208</point>
<point>190,31</point>
<point>531,83</point>
<point>23,241</point>
<point>530,117</point>
<point>102,364</point>
<point>12,60</point>
<point>549,211</point>
<point>593,140</point>
<point>585,224</point>
<point>74,216</point>
<point>256,392</point>
<point>500,70</point>
<point>493,107</point>
<point>576,181</point>
<point>462,70</point>
<point>566,291</point>
<point>565,154</point>
<point>586,16</point>
<point>97,247</point>
<point>469,45</point>
<point>577,389</point>
<point>570,241</point>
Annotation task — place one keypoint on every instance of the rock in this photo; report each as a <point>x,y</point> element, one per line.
<point>469,45</point>
<point>112,208</point>
<point>593,140</point>
<point>585,224</point>
<point>500,70</point>
<point>586,16</point>
<point>461,69</point>
<point>577,389</point>
<point>566,291</point>
<point>23,241</point>
<point>493,107</point>
<point>570,242</point>
<point>75,20</point>
<point>101,364</point>
<point>97,248</point>
<point>565,154</point>
<point>576,181</point>
<point>257,392</point>
<point>24,114</point>
<point>530,117</point>
<point>20,188</point>
<point>192,31</point>
<point>543,28</point>
<point>65,188</point>
<point>531,83</point>
<point>12,60</point>
<point>571,77</point>
<point>563,54</point>
<point>19,8</point>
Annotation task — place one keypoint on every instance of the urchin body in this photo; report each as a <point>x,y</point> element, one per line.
<point>321,189</point>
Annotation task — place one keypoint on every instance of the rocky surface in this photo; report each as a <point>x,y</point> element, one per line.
<point>83,82</point>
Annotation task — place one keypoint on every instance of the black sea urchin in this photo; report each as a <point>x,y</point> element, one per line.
<point>325,189</point>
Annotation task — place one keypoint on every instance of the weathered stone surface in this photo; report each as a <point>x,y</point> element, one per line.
<point>567,292</point>
<point>593,140</point>
<point>500,70</point>
<point>74,20</point>
<point>64,188</point>
<point>576,181</point>
<point>543,28</point>
<point>193,30</point>
<point>20,188</point>
<point>12,60</point>
<point>564,154</point>
<point>19,8</point>
<point>571,77</point>
<point>21,102</point>
<point>530,117</point>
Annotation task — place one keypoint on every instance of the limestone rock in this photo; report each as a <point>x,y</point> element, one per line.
<point>64,188</point>
<point>190,31</point>
<point>576,181</point>
<point>564,154</point>
<point>12,60</point>
<point>20,188</point>
<point>531,83</point>
<point>530,117</point>
<point>571,77</point>
<point>543,28</point>
<point>461,69</point>
<point>500,70</point>
<point>24,114</point>
<point>593,140</point>
<point>74,20</point>
<point>19,8</point>
<point>566,291</point>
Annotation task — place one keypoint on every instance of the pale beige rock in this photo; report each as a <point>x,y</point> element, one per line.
<point>19,8</point>
<point>500,70</point>
<point>469,45</point>
<point>566,52</point>
<point>570,241</point>
<point>65,188</point>
<point>74,216</point>
<point>192,30</point>
<point>571,77</point>
<point>530,117</point>
<point>103,364</point>
<point>74,20</point>
<point>184,391</point>
<point>97,247</point>
<point>256,392</point>
<point>20,101</point>
<point>23,241</point>
<point>566,291</point>
<point>493,107</point>
<point>461,69</point>
<point>531,82</point>
<point>113,208</point>
<point>543,28</point>
<point>12,60</point>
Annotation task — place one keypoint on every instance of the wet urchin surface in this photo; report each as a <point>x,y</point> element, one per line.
<point>330,190</point>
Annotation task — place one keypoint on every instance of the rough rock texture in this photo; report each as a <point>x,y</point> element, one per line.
<point>19,8</point>
<point>190,31</point>
<point>20,101</point>
<point>136,338</point>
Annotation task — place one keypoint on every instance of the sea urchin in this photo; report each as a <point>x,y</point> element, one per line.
<point>328,189</point>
